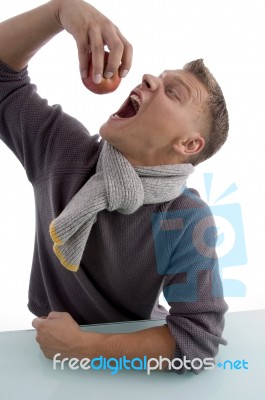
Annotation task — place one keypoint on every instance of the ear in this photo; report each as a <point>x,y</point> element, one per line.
<point>190,146</point>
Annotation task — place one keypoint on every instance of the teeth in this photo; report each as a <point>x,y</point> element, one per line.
<point>136,101</point>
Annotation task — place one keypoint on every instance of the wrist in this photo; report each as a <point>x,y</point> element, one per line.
<point>90,344</point>
<point>55,7</point>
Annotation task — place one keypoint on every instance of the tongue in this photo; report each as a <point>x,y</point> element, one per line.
<point>127,111</point>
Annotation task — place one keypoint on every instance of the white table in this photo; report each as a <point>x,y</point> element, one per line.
<point>26,374</point>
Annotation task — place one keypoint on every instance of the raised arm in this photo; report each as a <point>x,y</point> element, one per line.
<point>28,32</point>
<point>24,115</point>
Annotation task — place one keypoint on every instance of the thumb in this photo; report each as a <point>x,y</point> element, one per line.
<point>38,321</point>
<point>57,315</point>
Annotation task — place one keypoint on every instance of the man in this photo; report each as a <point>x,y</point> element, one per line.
<point>116,212</point>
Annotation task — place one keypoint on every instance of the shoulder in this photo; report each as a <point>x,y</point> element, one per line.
<point>184,234</point>
<point>185,219</point>
<point>189,206</point>
<point>189,199</point>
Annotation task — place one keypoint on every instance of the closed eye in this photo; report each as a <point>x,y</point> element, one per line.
<point>172,92</point>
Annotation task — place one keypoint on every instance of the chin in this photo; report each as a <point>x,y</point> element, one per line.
<point>107,133</point>
<point>104,130</point>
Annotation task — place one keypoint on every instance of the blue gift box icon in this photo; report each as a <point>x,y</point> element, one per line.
<point>174,251</point>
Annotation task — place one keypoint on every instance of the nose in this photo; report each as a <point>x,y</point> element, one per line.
<point>151,82</point>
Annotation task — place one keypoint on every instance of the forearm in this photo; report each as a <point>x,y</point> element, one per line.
<point>92,31</point>
<point>152,343</point>
<point>27,33</point>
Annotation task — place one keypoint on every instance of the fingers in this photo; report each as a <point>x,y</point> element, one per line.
<point>91,49</point>
<point>127,55</point>
<point>84,50</point>
<point>92,31</point>
<point>97,50</point>
<point>121,52</point>
<point>37,322</point>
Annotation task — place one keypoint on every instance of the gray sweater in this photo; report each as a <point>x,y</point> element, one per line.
<point>128,259</point>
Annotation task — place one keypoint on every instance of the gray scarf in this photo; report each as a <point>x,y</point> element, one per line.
<point>117,185</point>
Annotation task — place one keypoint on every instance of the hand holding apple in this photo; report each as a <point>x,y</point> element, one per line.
<point>107,85</point>
<point>92,32</point>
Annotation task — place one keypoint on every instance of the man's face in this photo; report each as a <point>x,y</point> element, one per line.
<point>159,117</point>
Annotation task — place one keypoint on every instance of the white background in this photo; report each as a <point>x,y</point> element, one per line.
<point>229,35</point>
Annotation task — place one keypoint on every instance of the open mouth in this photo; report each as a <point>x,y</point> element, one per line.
<point>130,107</point>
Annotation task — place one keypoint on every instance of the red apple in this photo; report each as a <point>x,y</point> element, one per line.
<point>106,85</point>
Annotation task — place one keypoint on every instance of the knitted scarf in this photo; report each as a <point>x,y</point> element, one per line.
<point>117,185</point>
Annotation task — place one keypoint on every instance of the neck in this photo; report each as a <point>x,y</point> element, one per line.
<point>149,160</point>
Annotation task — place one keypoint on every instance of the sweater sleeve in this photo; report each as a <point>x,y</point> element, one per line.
<point>42,137</point>
<point>192,285</point>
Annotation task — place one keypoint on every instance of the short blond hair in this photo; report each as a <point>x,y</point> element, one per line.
<point>216,118</point>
